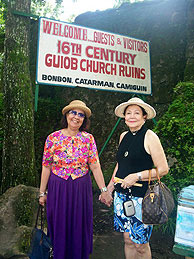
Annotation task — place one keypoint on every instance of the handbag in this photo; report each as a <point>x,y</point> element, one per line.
<point>158,202</point>
<point>41,247</point>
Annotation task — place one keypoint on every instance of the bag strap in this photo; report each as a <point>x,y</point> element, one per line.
<point>41,212</point>
<point>37,216</point>
<point>157,174</point>
<point>41,218</point>
<point>150,175</point>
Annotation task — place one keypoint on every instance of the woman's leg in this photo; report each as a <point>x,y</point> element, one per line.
<point>135,251</point>
<point>143,251</point>
<point>129,247</point>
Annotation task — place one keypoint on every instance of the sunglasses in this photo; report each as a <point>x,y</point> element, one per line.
<point>79,114</point>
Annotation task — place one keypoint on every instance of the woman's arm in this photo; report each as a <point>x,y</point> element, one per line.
<point>154,148</point>
<point>110,186</point>
<point>43,184</point>
<point>111,183</point>
<point>99,178</point>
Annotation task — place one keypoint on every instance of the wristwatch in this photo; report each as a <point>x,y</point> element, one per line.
<point>104,189</point>
<point>139,176</point>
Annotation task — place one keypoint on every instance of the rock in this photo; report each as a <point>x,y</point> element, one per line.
<point>18,206</point>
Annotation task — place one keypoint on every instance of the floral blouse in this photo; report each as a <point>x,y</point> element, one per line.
<point>70,156</point>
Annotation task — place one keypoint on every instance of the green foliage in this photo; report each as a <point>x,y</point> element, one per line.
<point>176,132</point>
<point>71,18</point>
<point>2,24</point>
<point>2,15</point>
<point>44,8</point>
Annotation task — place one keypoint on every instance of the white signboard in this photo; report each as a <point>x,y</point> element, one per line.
<point>71,55</point>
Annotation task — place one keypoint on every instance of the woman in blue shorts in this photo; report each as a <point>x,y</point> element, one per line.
<point>139,150</point>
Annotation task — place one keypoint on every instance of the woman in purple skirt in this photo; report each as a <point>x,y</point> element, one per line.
<point>68,156</point>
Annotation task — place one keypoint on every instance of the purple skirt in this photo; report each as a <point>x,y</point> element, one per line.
<point>70,216</point>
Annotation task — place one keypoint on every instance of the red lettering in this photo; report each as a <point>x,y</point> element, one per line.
<point>96,53</point>
<point>121,70</point>
<point>55,29</point>
<point>142,73</point>
<point>65,47</point>
<point>74,63</point>
<point>87,51</point>
<point>132,58</point>
<point>47,26</point>
<point>82,65</point>
<point>48,60</point>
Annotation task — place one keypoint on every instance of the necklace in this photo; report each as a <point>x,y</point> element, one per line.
<point>134,132</point>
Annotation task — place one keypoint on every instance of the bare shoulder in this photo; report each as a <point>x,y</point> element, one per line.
<point>151,136</point>
<point>122,135</point>
<point>151,139</point>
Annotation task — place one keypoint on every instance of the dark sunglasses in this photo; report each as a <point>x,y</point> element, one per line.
<point>74,113</point>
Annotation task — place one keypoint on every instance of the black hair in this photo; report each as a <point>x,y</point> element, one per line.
<point>143,110</point>
<point>85,125</point>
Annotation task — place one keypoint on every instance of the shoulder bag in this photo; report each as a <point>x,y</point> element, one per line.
<point>158,203</point>
<point>41,247</point>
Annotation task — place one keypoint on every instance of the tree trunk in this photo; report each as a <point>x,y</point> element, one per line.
<point>18,148</point>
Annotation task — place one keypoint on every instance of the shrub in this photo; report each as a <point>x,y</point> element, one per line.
<point>176,132</point>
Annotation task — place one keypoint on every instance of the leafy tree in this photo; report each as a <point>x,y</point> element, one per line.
<point>44,8</point>
<point>176,131</point>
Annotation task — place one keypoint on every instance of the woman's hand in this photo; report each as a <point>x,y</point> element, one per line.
<point>42,200</point>
<point>129,181</point>
<point>106,198</point>
<point>44,180</point>
<point>111,187</point>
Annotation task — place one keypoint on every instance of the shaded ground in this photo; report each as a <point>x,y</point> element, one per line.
<point>108,244</point>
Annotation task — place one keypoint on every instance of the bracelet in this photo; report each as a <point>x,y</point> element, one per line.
<point>42,194</point>
<point>104,189</point>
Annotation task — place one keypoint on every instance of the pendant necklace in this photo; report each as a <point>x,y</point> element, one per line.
<point>134,132</point>
<point>126,153</point>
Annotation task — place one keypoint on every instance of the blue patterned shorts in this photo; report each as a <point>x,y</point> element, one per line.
<point>139,233</point>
